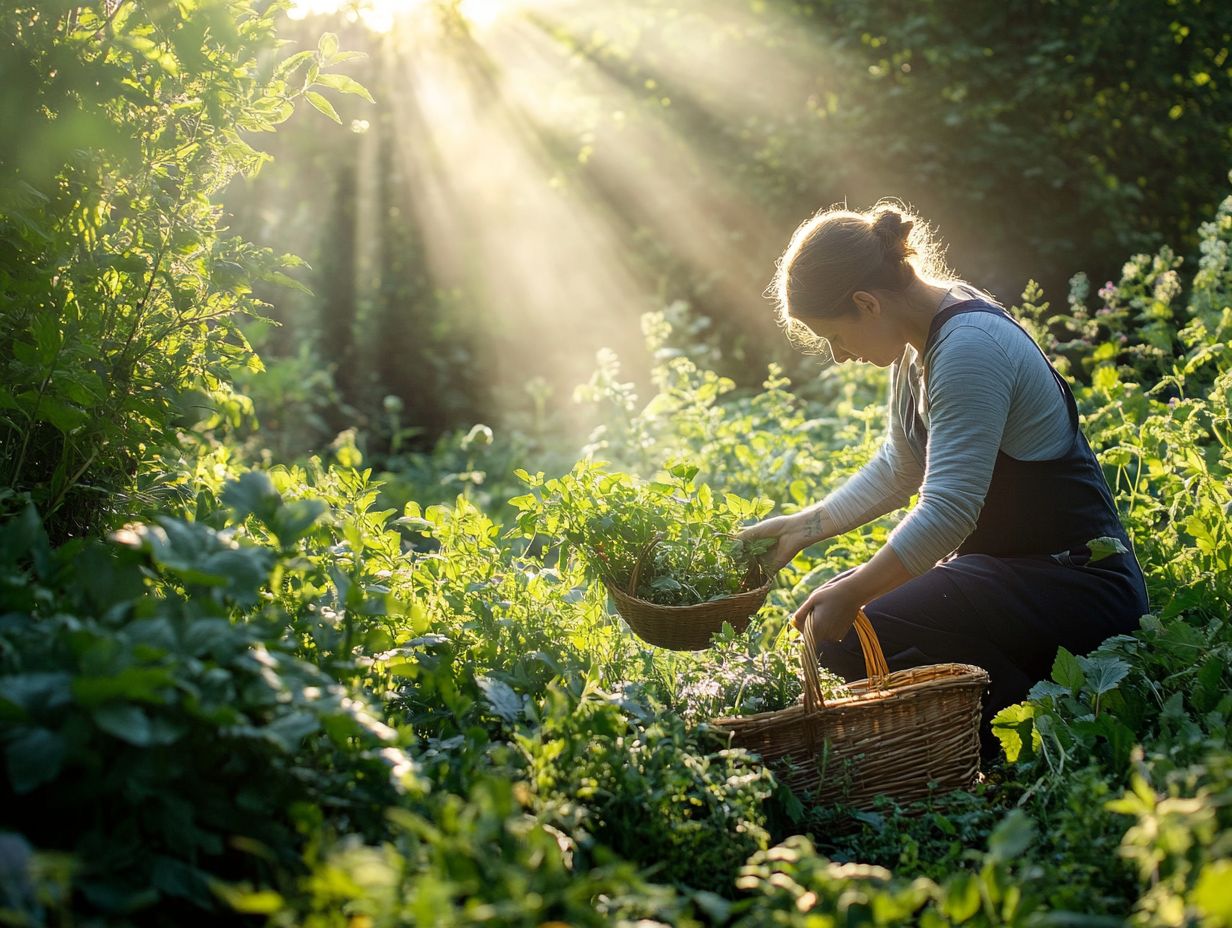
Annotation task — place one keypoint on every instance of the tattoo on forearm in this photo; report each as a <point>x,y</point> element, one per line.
<point>812,524</point>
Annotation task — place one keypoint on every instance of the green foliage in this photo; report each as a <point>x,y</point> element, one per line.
<point>120,289</point>
<point>276,696</point>
<point>161,744</point>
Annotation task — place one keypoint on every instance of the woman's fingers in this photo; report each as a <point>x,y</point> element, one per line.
<point>767,528</point>
<point>831,611</point>
<point>802,613</point>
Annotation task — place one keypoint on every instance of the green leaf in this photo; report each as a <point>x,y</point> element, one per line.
<point>961,897</point>
<point>286,280</point>
<point>291,62</point>
<point>1213,892</point>
<point>344,84</point>
<point>252,493</point>
<point>1067,671</point>
<point>243,898</point>
<point>34,758</point>
<point>126,722</point>
<point>1103,673</point>
<point>64,416</point>
<point>293,520</point>
<point>289,731</point>
<point>320,103</point>
<point>328,45</point>
<point>1105,546</point>
<point>501,697</point>
<point>342,57</point>
<point>684,471</point>
<point>1014,728</point>
<point>1011,838</point>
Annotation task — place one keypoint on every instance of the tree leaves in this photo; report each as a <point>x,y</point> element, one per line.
<point>500,695</point>
<point>34,757</point>
<point>344,84</point>
<point>319,103</point>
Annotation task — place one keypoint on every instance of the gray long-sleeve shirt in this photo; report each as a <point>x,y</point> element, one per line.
<point>989,389</point>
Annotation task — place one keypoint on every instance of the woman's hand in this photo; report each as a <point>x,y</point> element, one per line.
<point>830,610</point>
<point>783,530</point>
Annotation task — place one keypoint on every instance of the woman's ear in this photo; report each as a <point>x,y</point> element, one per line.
<point>866,303</point>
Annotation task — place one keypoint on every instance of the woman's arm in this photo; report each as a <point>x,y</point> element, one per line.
<point>884,484</point>
<point>971,386</point>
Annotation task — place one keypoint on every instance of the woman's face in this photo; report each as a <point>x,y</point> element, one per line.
<point>863,334</point>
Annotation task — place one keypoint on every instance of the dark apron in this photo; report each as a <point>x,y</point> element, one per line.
<point>1021,584</point>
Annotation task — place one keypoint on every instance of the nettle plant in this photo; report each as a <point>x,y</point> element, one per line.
<point>670,538</point>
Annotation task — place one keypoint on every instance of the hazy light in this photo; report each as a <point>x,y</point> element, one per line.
<point>383,15</point>
<point>552,251</point>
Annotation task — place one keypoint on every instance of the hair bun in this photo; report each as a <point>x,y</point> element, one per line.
<point>890,227</point>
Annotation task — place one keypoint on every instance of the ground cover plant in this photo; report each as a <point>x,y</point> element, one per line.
<point>285,692</point>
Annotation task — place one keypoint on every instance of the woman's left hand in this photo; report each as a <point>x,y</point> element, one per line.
<point>830,611</point>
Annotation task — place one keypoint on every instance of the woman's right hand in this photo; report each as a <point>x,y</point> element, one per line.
<point>783,530</point>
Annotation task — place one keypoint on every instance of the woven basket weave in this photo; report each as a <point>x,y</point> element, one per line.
<point>686,628</point>
<point>905,734</point>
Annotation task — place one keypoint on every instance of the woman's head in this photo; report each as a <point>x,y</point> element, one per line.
<point>841,260</point>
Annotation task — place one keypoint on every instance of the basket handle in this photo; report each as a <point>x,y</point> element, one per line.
<point>641,557</point>
<point>875,667</point>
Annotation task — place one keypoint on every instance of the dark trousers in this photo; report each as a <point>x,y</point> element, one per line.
<point>1007,615</point>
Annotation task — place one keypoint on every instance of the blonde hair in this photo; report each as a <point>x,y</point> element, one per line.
<point>839,251</point>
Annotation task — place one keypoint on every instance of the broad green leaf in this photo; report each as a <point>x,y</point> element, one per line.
<point>501,697</point>
<point>1213,892</point>
<point>328,44</point>
<point>293,520</point>
<point>1012,836</point>
<point>1067,671</point>
<point>252,493</point>
<point>1103,673</point>
<point>344,84</point>
<point>291,62</point>
<point>320,103</point>
<point>1014,728</point>
<point>286,280</point>
<point>288,731</point>
<point>126,722</point>
<point>960,898</point>
<point>243,898</point>
<point>34,758</point>
<point>1105,546</point>
<point>64,416</point>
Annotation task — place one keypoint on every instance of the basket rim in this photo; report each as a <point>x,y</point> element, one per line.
<point>958,675</point>
<point>760,591</point>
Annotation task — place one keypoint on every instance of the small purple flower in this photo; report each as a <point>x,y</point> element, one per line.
<point>1104,311</point>
<point>1174,402</point>
<point>1107,290</point>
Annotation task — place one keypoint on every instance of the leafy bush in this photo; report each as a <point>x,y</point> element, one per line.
<point>161,744</point>
<point>119,289</point>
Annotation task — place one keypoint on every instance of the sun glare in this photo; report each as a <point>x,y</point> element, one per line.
<point>383,15</point>
<point>480,120</point>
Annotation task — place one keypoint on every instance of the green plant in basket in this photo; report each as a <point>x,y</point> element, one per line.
<point>670,539</point>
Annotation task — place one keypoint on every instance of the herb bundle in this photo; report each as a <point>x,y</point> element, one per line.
<point>673,533</point>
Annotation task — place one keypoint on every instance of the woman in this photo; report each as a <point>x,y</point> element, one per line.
<point>991,567</point>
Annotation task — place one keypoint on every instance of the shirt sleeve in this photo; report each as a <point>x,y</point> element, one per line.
<point>970,387</point>
<point>886,482</point>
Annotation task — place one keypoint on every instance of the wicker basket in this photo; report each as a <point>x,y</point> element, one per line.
<point>686,628</point>
<point>904,734</point>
